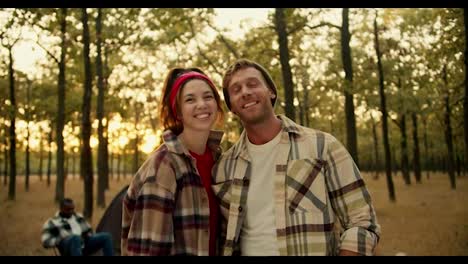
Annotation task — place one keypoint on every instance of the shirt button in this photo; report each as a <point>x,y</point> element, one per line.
<point>240,208</point>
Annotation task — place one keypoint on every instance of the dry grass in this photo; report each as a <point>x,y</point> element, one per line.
<point>427,219</point>
<point>22,219</point>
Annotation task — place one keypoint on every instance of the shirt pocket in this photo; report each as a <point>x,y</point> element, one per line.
<point>305,186</point>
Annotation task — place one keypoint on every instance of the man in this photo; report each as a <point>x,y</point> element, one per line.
<point>284,187</point>
<point>72,234</point>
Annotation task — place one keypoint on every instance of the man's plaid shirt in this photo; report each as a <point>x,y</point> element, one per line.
<point>316,183</point>
<point>57,228</point>
<point>166,208</point>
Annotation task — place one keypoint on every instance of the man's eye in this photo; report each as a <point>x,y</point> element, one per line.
<point>252,84</point>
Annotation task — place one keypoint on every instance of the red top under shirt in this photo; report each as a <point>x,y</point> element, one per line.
<point>204,164</point>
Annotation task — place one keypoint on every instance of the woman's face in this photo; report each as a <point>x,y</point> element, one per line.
<point>198,106</point>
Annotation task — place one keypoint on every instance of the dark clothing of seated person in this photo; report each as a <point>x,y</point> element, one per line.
<point>72,234</point>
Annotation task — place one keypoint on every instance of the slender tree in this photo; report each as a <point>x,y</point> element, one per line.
<point>28,117</point>
<point>376,148</point>
<point>49,155</point>
<point>60,159</point>
<point>5,154</point>
<point>280,26</point>
<point>12,136</point>
<point>448,130</point>
<point>351,133</point>
<point>86,164</point>
<point>416,158</point>
<point>383,109</point>
<point>103,166</point>
<point>465,101</point>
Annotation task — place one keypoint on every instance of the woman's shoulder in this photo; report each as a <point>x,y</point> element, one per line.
<point>158,169</point>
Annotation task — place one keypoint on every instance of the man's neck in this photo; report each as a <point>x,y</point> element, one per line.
<point>262,133</point>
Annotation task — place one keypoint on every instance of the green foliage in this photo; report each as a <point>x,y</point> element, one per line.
<point>140,45</point>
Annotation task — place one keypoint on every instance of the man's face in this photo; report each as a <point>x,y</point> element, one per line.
<point>250,96</point>
<point>67,210</point>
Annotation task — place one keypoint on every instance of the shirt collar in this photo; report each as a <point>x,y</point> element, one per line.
<point>175,145</point>
<point>287,125</point>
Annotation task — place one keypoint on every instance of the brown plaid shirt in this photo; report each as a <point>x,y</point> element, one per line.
<point>316,184</point>
<point>166,210</point>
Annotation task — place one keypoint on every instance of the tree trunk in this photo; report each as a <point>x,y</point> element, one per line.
<point>106,74</point>
<point>135,146</point>
<point>426,149</point>
<point>351,133</point>
<point>376,149</point>
<point>404,151</point>
<point>119,158</point>
<point>103,166</point>
<point>12,182</point>
<point>416,158</point>
<point>280,27</point>
<point>28,154</point>
<point>41,155</point>
<point>448,133</point>
<point>305,98</point>
<point>383,109</point>
<point>5,154</point>
<point>60,184</point>
<point>86,161</point>
<point>49,156</point>
<point>465,102</point>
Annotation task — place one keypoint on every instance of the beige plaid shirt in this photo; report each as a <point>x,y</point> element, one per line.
<point>316,183</point>
<point>166,210</point>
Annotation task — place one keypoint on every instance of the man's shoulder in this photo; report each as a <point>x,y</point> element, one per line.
<point>314,133</point>
<point>304,131</point>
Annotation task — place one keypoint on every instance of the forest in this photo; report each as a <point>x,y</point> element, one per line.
<point>389,83</point>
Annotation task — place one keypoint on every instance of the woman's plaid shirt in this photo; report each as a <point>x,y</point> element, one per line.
<point>166,210</point>
<point>316,183</point>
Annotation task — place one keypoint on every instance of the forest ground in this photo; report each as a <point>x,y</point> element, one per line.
<point>427,219</point>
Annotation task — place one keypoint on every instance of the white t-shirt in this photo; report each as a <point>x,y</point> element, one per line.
<point>75,226</point>
<point>258,234</point>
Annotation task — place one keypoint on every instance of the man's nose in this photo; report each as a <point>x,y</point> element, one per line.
<point>245,91</point>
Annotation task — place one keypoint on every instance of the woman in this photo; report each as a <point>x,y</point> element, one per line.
<point>170,208</point>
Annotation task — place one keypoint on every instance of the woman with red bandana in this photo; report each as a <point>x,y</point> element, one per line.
<point>169,208</point>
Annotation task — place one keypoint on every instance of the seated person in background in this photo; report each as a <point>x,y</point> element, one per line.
<point>72,234</point>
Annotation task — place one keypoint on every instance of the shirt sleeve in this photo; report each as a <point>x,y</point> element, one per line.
<point>147,221</point>
<point>50,235</point>
<point>351,202</point>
